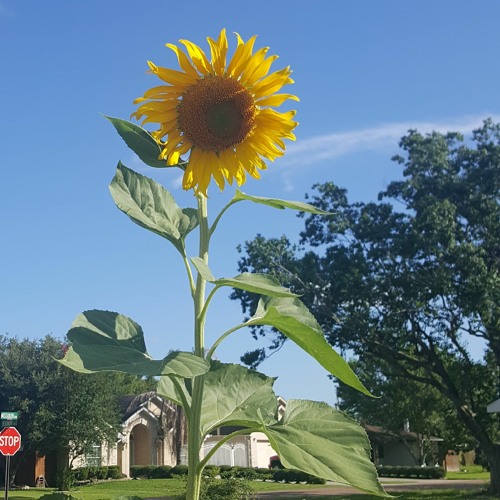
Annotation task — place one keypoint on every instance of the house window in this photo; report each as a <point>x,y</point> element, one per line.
<point>93,455</point>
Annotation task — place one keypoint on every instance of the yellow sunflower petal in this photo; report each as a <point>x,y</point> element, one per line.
<point>198,57</point>
<point>171,75</point>
<point>276,99</point>
<point>218,51</point>
<point>241,57</point>
<point>272,83</point>
<point>183,60</point>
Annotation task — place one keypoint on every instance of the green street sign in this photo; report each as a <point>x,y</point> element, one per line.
<point>8,415</point>
<point>8,419</point>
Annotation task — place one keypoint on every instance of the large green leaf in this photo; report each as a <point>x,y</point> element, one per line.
<point>255,283</point>
<point>140,142</point>
<point>319,440</point>
<point>234,395</point>
<point>151,206</point>
<point>108,341</point>
<point>291,317</point>
<point>280,204</point>
<point>177,393</point>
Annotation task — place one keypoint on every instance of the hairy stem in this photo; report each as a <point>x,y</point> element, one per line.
<point>194,429</point>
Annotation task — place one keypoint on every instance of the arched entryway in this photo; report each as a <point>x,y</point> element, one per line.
<point>140,446</point>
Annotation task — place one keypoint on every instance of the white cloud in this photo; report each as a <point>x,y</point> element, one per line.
<point>382,136</point>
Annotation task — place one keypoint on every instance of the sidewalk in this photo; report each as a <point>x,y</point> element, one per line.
<point>391,486</point>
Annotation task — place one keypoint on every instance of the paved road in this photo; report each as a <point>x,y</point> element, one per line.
<point>392,487</point>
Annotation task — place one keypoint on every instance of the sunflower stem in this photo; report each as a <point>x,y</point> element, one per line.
<point>195,438</point>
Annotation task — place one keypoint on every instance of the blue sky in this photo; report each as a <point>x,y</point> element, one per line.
<point>365,71</point>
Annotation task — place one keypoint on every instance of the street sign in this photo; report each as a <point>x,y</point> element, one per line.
<point>10,441</point>
<point>8,418</point>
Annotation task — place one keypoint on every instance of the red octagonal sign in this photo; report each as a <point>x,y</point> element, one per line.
<point>10,441</point>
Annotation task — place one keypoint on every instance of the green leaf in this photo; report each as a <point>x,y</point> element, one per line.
<point>319,440</point>
<point>232,395</point>
<point>291,317</point>
<point>251,282</point>
<point>281,204</point>
<point>140,142</point>
<point>171,391</point>
<point>108,341</point>
<point>151,206</point>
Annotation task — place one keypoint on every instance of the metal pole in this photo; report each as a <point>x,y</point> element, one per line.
<point>7,476</point>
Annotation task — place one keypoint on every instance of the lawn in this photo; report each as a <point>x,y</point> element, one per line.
<point>472,472</point>
<point>150,488</point>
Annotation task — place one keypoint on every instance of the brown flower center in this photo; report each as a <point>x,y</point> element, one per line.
<point>216,113</point>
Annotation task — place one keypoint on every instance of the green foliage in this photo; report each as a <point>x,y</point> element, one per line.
<point>60,410</point>
<point>179,470</point>
<point>222,395</point>
<point>250,282</point>
<point>405,282</point>
<point>152,207</point>
<point>160,472</point>
<point>59,495</point>
<point>292,318</point>
<point>140,142</point>
<point>226,489</point>
<point>280,204</point>
<point>411,472</point>
<point>211,471</point>
<point>108,341</point>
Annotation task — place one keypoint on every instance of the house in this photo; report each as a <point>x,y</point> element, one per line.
<point>402,448</point>
<point>494,407</point>
<point>153,432</point>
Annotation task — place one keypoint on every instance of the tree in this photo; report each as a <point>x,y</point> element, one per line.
<point>400,403</point>
<point>407,281</point>
<point>60,410</point>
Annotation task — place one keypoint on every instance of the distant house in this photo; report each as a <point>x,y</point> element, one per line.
<point>494,407</point>
<point>403,448</point>
<point>153,432</point>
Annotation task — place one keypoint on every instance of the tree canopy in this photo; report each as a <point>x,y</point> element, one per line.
<point>60,410</point>
<point>408,282</point>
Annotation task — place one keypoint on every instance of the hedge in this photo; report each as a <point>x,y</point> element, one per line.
<point>410,472</point>
<point>210,471</point>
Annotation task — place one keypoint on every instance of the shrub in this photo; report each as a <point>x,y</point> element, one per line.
<point>275,463</point>
<point>263,473</point>
<point>81,474</point>
<point>160,472</point>
<point>114,472</point>
<point>137,471</point>
<point>211,471</point>
<point>179,470</point>
<point>58,495</point>
<point>411,472</point>
<point>227,489</point>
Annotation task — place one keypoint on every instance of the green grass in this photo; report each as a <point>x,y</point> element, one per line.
<point>173,487</point>
<point>472,472</point>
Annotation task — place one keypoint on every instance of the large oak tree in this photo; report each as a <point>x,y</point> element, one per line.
<point>408,283</point>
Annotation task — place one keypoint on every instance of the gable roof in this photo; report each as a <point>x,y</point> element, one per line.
<point>129,405</point>
<point>494,407</point>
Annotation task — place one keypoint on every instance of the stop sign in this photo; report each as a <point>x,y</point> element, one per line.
<point>10,441</point>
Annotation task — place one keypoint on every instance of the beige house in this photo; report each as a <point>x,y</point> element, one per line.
<point>153,432</point>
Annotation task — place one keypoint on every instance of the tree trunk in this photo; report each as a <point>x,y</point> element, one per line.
<point>493,456</point>
<point>63,476</point>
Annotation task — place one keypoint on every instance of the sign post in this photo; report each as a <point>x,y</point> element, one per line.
<point>10,443</point>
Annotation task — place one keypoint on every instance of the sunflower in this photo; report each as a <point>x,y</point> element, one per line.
<point>220,114</point>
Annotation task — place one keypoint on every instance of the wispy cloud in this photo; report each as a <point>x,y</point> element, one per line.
<point>379,137</point>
